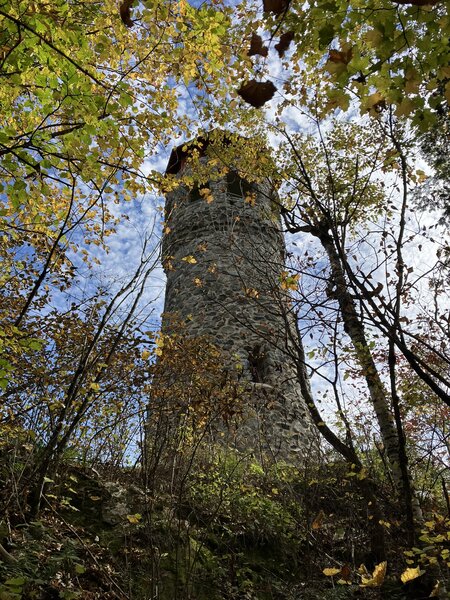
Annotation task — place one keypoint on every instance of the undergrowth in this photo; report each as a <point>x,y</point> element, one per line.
<point>229,529</point>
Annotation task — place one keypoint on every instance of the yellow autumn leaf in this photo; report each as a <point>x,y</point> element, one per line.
<point>206,194</point>
<point>189,259</point>
<point>134,519</point>
<point>318,521</point>
<point>330,571</point>
<point>251,293</point>
<point>385,524</point>
<point>378,575</point>
<point>363,570</point>
<point>145,354</point>
<point>410,574</point>
<point>94,386</point>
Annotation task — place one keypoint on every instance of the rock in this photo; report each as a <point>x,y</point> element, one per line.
<point>121,502</point>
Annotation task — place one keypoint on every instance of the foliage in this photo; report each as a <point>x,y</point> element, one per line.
<point>338,172</point>
<point>236,530</point>
<point>434,143</point>
<point>190,379</point>
<point>377,54</point>
<point>435,548</point>
<point>84,101</point>
<point>253,504</point>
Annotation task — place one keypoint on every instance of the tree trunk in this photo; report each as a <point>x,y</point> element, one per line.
<point>365,484</point>
<point>354,328</point>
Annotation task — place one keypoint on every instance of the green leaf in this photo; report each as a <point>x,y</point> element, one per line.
<point>16,581</point>
<point>35,344</point>
<point>326,35</point>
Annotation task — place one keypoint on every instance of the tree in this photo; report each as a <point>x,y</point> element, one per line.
<point>338,198</point>
<point>374,55</point>
<point>89,93</point>
<point>435,191</point>
<point>85,100</point>
<point>85,378</point>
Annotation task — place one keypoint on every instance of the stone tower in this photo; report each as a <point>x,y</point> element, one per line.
<point>223,254</point>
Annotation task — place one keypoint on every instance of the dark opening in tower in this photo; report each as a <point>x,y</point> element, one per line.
<point>236,186</point>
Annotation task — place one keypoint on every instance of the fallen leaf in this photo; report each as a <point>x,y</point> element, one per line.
<point>410,574</point>
<point>134,519</point>
<point>318,521</point>
<point>346,573</point>
<point>329,572</point>
<point>378,575</point>
<point>436,591</point>
<point>363,571</point>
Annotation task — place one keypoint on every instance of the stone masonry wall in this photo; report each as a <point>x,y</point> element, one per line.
<point>223,259</point>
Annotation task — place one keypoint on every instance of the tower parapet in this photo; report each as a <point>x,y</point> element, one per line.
<point>223,254</point>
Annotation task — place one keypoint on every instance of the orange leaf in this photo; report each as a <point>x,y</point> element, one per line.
<point>378,575</point>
